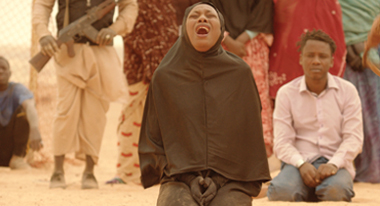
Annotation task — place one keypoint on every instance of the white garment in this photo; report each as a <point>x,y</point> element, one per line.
<point>86,84</point>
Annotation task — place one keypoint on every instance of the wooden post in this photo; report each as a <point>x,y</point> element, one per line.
<point>33,83</point>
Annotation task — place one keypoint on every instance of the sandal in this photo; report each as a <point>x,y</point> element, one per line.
<point>89,181</point>
<point>115,180</point>
<point>57,180</point>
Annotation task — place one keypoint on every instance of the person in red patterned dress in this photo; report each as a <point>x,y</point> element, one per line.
<point>154,33</point>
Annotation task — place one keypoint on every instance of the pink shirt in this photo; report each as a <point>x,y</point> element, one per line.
<point>308,126</point>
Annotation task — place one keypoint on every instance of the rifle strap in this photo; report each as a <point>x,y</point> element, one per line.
<point>66,19</point>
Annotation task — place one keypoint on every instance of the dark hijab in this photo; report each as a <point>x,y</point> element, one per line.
<point>202,112</point>
<point>241,15</point>
<point>180,7</point>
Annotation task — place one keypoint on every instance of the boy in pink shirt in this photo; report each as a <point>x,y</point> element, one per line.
<point>318,129</point>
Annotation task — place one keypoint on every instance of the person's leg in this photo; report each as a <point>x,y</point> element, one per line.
<point>257,58</point>
<point>338,187</point>
<point>91,127</point>
<point>6,144</point>
<point>175,194</point>
<point>232,194</point>
<point>14,141</point>
<point>20,133</point>
<point>289,186</point>
<point>88,179</point>
<point>57,180</point>
<point>79,127</point>
<point>64,128</point>
<point>128,167</point>
<point>367,164</point>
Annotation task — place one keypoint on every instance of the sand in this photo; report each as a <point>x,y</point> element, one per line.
<point>31,187</point>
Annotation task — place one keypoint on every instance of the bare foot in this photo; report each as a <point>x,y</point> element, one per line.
<point>89,181</point>
<point>57,180</point>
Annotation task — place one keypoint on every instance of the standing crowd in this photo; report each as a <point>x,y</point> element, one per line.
<point>214,87</point>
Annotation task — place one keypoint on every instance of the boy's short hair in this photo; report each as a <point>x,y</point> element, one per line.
<point>318,35</point>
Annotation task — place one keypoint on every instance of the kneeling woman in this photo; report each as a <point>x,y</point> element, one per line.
<point>201,134</point>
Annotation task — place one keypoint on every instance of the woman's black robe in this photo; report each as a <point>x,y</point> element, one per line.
<point>202,112</point>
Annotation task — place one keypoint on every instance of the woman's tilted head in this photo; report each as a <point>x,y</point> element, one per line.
<point>203,27</point>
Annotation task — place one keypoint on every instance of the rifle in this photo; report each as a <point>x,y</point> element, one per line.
<point>81,26</point>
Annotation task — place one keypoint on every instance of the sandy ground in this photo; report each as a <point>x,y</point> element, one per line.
<point>31,187</point>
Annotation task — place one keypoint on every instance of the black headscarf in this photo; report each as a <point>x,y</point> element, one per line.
<point>241,15</point>
<point>180,6</point>
<point>202,112</point>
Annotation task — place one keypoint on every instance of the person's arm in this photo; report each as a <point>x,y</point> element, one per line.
<point>32,117</point>
<point>248,35</point>
<point>284,133</point>
<point>373,56</point>
<point>352,130</point>
<point>268,38</point>
<point>128,10</point>
<point>235,46</point>
<point>285,137</point>
<point>40,19</point>
<point>352,135</point>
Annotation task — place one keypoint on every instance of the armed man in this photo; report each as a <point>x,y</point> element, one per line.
<point>89,76</point>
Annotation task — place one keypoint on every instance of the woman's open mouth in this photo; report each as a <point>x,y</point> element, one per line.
<point>202,30</point>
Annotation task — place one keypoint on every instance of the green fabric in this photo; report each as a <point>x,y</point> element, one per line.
<point>252,34</point>
<point>358,16</point>
<point>373,56</point>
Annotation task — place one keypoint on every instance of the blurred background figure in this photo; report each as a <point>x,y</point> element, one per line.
<point>249,26</point>
<point>87,82</point>
<point>288,26</point>
<point>18,121</point>
<point>358,16</point>
<point>154,33</point>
